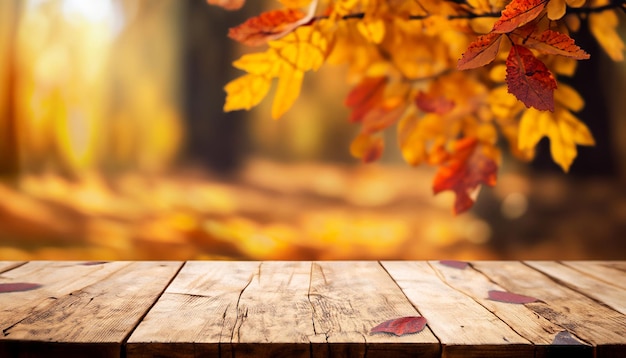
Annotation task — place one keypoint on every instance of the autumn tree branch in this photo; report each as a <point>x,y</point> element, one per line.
<point>614,4</point>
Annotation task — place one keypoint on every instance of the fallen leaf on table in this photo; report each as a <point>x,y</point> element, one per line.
<point>93,263</point>
<point>453,263</point>
<point>565,338</point>
<point>508,297</point>
<point>18,287</point>
<point>401,326</point>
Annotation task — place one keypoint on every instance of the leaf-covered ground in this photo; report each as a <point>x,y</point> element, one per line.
<point>308,211</point>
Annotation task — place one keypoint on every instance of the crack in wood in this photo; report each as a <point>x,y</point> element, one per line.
<point>240,318</point>
<point>5,331</point>
<point>308,295</point>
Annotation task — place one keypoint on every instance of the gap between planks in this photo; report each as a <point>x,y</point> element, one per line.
<point>123,345</point>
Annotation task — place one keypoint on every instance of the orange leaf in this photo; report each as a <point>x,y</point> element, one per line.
<point>467,168</point>
<point>518,13</point>
<point>480,52</point>
<point>556,43</point>
<point>433,104</point>
<point>529,79</point>
<point>365,96</point>
<point>227,4</point>
<point>269,25</point>
<point>366,147</point>
<point>381,117</point>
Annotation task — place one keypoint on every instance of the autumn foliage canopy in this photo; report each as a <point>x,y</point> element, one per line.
<point>454,77</point>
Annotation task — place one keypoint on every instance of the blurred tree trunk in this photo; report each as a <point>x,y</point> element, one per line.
<point>9,15</point>
<point>215,139</point>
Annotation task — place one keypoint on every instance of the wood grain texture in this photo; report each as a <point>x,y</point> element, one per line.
<point>79,310</point>
<point>536,329</point>
<point>9,265</point>
<point>612,296</point>
<point>348,299</point>
<point>310,309</point>
<point>592,322</point>
<point>464,327</point>
<point>197,313</point>
<point>273,313</point>
<point>274,309</point>
<point>610,272</point>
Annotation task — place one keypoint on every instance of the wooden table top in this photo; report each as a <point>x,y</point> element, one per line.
<point>310,309</point>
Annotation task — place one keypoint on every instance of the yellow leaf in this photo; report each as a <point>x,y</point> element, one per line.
<point>564,66</point>
<point>292,4</point>
<point>264,63</point>
<point>556,9</point>
<point>415,133</point>
<point>304,49</point>
<point>246,92</point>
<point>503,104</point>
<point>603,27</point>
<point>563,129</point>
<point>372,29</point>
<point>569,98</point>
<point>289,84</point>
<point>483,25</point>
<point>576,3</point>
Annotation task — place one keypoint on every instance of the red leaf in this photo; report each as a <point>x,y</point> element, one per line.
<point>467,168</point>
<point>564,338</point>
<point>432,104</point>
<point>401,326</point>
<point>267,26</point>
<point>364,96</point>
<point>518,13</point>
<point>18,287</point>
<point>227,4</point>
<point>529,79</point>
<point>480,52</point>
<point>456,264</point>
<point>508,297</point>
<point>556,43</point>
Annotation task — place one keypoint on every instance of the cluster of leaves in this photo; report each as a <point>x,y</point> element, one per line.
<point>453,76</point>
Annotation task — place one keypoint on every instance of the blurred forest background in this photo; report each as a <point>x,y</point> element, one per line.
<point>113,145</point>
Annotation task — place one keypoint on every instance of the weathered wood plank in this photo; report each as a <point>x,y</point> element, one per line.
<point>196,315</point>
<point>274,314</point>
<point>596,324</point>
<point>524,321</point>
<point>9,265</point>
<point>80,310</point>
<point>273,309</point>
<point>348,299</point>
<point>611,272</point>
<point>610,295</point>
<point>464,327</point>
